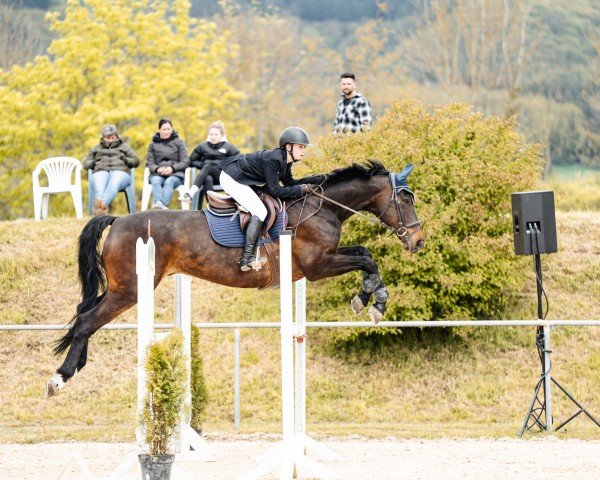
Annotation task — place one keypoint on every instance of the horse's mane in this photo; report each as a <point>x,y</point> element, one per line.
<point>356,170</point>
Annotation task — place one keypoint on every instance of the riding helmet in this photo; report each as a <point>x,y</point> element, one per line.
<point>293,135</point>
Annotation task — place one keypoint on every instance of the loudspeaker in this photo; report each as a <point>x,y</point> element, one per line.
<point>534,222</point>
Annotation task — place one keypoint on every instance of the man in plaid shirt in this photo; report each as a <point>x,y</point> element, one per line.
<point>353,111</point>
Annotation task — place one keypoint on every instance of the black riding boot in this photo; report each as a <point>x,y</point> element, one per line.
<point>248,260</point>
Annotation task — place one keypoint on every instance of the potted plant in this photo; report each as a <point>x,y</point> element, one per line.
<point>166,380</point>
<point>197,383</point>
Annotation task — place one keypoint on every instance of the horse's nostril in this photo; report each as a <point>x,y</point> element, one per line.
<point>420,244</point>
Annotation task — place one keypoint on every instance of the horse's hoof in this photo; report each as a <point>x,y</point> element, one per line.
<point>54,385</point>
<point>375,315</point>
<point>357,305</point>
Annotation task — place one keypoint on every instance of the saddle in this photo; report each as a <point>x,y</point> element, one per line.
<point>223,204</point>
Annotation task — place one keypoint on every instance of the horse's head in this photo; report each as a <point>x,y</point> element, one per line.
<point>373,188</point>
<point>395,206</point>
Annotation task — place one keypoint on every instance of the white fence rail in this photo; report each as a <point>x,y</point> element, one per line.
<point>349,324</point>
<point>235,326</point>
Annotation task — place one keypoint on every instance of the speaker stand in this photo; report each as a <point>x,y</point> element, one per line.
<point>540,405</point>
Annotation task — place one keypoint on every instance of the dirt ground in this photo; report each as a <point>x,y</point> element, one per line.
<point>358,459</point>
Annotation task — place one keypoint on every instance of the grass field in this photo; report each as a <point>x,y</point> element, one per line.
<point>470,382</point>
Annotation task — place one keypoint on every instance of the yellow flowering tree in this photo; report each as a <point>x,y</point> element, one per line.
<point>113,61</point>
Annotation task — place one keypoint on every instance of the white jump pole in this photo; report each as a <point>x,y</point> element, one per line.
<point>300,364</point>
<point>302,440</point>
<point>287,355</point>
<point>290,453</point>
<point>188,438</point>
<point>144,267</point>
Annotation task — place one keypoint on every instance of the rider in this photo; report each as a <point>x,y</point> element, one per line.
<point>268,168</point>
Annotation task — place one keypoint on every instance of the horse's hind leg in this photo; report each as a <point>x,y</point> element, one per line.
<point>86,324</point>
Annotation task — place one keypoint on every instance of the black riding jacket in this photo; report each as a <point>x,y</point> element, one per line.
<point>269,168</point>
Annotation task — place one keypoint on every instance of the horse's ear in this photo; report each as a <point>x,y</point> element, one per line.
<point>401,177</point>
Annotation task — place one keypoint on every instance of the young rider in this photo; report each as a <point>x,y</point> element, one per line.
<point>270,168</point>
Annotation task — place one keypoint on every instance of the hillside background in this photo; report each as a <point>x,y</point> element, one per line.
<point>280,61</point>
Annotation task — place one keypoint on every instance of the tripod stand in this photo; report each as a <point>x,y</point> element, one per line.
<point>541,404</point>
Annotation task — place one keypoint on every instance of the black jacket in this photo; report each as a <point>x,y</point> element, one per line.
<point>169,152</point>
<point>268,167</point>
<point>212,154</point>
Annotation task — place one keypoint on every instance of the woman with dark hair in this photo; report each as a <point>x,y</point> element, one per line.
<point>167,160</point>
<point>208,157</point>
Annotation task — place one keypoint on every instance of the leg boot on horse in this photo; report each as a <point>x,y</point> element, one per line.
<point>249,260</point>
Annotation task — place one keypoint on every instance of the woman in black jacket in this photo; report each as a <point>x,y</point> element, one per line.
<point>208,157</point>
<point>167,160</point>
<point>268,168</point>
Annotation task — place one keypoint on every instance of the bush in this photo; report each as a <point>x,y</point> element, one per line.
<point>466,166</point>
<point>166,379</point>
<point>198,383</point>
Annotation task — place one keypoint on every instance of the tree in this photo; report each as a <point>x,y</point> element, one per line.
<point>114,61</point>
<point>482,44</point>
<point>590,151</point>
<point>282,71</point>
<point>20,41</point>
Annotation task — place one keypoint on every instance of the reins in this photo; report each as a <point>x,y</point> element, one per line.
<point>401,231</point>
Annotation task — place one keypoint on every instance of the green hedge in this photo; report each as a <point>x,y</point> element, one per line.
<point>466,166</point>
<point>198,387</point>
<point>166,378</point>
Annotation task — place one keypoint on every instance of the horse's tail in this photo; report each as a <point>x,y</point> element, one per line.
<point>91,273</point>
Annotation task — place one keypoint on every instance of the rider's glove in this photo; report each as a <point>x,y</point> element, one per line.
<point>308,188</point>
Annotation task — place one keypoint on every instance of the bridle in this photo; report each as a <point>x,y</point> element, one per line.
<point>401,231</point>
<point>403,227</point>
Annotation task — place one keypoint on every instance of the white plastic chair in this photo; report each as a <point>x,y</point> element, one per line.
<point>147,188</point>
<point>64,176</point>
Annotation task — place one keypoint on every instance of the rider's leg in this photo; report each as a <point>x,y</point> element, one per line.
<point>246,197</point>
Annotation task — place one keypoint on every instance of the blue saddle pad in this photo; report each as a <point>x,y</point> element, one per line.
<point>226,231</point>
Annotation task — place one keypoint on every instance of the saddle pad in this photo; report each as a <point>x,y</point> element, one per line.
<point>226,231</point>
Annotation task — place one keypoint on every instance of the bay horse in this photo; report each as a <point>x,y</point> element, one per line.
<point>184,245</point>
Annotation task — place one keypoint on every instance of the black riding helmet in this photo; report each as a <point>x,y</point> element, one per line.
<point>294,135</point>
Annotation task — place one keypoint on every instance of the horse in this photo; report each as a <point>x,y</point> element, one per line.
<point>184,245</point>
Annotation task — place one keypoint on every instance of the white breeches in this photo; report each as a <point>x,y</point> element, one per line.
<point>244,195</point>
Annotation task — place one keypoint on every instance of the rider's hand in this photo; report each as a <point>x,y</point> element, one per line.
<point>308,188</point>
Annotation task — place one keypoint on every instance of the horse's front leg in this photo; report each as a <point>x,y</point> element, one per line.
<point>371,282</point>
<point>333,264</point>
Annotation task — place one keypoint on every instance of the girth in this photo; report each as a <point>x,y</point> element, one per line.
<point>223,204</point>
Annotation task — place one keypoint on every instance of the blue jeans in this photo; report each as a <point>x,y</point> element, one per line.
<point>162,187</point>
<point>106,185</point>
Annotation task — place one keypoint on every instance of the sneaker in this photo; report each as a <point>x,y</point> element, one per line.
<point>159,205</point>
<point>100,207</point>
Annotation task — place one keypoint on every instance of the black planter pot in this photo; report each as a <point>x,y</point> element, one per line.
<point>156,467</point>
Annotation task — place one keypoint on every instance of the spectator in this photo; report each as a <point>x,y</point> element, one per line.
<point>167,160</point>
<point>110,162</point>
<point>353,111</point>
<point>208,157</point>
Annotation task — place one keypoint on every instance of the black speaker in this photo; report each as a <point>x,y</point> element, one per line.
<point>534,222</point>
